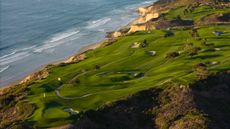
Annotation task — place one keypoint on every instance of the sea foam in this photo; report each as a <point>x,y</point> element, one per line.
<point>57,40</point>
<point>16,55</point>
<point>4,68</point>
<point>98,23</point>
<point>14,58</point>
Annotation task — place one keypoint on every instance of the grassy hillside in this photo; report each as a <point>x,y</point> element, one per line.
<point>174,107</point>
<point>117,70</point>
<point>119,64</point>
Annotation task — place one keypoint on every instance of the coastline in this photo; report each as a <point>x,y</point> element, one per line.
<point>79,52</point>
<point>82,50</point>
<point>143,75</point>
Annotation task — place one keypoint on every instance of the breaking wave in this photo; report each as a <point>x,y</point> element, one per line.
<point>14,58</point>
<point>98,23</point>
<point>54,41</point>
<point>57,40</point>
<point>4,68</point>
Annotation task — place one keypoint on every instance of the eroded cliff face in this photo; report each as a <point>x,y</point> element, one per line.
<point>36,76</point>
<point>76,58</point>
<point>147,17</point>
<point>135,28</point>
<point>146,14</point>
<point>144,10</point>
<point>114,34</point>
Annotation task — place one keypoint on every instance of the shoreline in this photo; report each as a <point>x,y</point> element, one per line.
<point>42,67</point>
<point>82,50</point>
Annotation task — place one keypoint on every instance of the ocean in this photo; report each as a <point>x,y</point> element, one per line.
<point>37,32</point>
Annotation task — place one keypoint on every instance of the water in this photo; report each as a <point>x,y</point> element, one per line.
<point>37,32</point>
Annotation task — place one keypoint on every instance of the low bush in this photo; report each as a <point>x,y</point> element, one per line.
<point>168,34</point>
<point>201,71</point>
<point>171,55</point>
<point>191,50</point>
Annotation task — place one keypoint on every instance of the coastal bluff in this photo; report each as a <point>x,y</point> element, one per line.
<point>143,22</point>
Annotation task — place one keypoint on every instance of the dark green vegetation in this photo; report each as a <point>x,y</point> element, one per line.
<point>183,56</point>
<point>175,107</point>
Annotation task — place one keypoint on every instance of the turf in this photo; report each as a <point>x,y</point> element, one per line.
<point>125,70</point>
<point>115,79</point>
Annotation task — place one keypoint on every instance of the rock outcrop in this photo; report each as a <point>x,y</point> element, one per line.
<point>82,53</point>
<point>138,27</point>
<point>146,14</point>
<point>147,17</point>
<point>36,76</point>
<point>114,34</point>
<point>76,58</point>
<point>144,10</point>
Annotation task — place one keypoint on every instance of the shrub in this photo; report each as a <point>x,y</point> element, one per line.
<point>6,100</point>
<point>191,50</point>
<point>201,71</point>
<point>171,55</point>
<point>168,34</point>
<point>97,67</point>
<point>178,17</point>
<point>77,81</point>
<point>25,109</point>
<point>195,33</point>
<point>204,43</point>
<point>194,51</point>
<point>144,43</point>
<point>188,46</point>
<point>47,88</point>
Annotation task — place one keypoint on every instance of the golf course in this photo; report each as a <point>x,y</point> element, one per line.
<point>117,69</point>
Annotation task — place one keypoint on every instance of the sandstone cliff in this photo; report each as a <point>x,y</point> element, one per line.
<point>36,76</point>
<point>76,58</point>
<point>135,28</point>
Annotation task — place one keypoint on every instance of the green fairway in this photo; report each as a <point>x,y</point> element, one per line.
<point>123,71</point>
